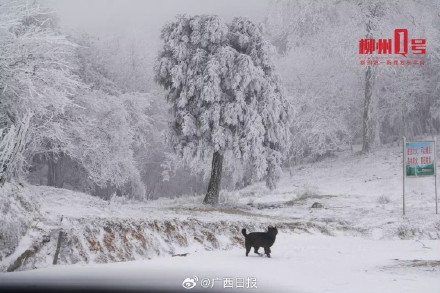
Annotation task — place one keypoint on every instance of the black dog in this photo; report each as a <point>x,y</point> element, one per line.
<point>260,239</point>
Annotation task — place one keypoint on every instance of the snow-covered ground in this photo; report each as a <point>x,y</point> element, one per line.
<point>299,263</point>
<point>360,194</point>
<point>357,242</point>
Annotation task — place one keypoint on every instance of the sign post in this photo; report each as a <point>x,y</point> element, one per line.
<point>419,160</point>
<point>435,176</point>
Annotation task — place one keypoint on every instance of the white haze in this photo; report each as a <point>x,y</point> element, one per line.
<point>134,16</point>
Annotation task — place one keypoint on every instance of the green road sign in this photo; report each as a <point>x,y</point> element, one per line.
<point>420,159</point>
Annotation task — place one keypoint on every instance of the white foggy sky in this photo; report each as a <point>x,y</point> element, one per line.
<point>147,16</point>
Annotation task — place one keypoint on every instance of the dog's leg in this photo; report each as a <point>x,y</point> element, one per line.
<point>267,251</point>
<point>256,250</point>
<point>248,248</point>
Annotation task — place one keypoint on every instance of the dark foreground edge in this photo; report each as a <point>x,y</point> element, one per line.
<point>25,288</point>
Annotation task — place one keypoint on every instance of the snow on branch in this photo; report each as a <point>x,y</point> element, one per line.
<point>12,145</point>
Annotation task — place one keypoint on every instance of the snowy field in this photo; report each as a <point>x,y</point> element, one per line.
<point>357,242</point>
<point>360,195</point>
<point>299,263</point>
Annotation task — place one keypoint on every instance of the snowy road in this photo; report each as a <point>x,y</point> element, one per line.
<point>299,263</point>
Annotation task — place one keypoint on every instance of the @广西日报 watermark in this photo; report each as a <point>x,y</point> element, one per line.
<point>224,282</point>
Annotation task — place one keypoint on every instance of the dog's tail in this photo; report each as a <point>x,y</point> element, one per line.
<point>244,232</point>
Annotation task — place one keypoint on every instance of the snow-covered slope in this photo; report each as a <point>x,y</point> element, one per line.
<point>360,195</point>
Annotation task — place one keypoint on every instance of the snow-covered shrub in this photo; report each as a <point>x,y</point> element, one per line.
<point>229,198</point>
<point>383,199</point>
<point>17,211</point>
<point>406,231</point>
<point>306,192</point>
<point>437,228</point>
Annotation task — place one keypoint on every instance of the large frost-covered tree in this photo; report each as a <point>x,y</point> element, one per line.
<point>49,114</point>
<point>37,78</point>
<point>224,96</point>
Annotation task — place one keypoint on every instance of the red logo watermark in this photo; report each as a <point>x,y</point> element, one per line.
<point>396,50</point>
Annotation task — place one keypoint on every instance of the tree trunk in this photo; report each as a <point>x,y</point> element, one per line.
<point>3,178</point>
<point>215,181</point>
<point>55,176</point>
<point>403,117</point>
<point>367,126</point>
<point>366,123</point>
